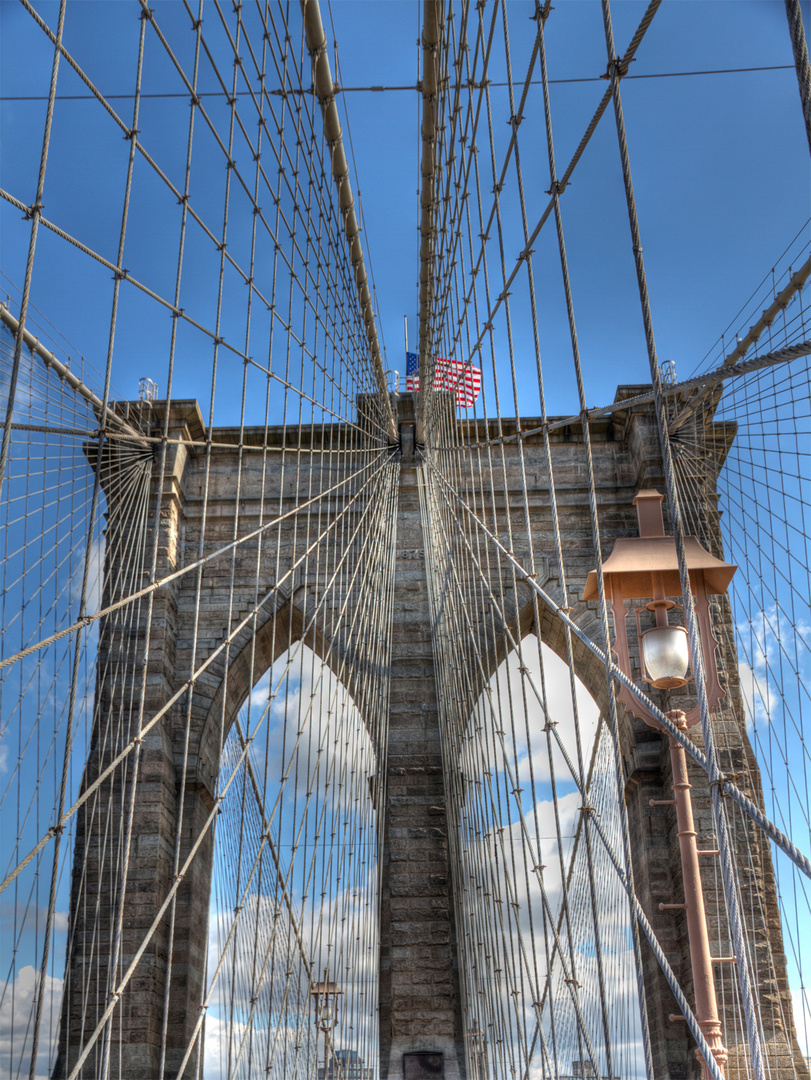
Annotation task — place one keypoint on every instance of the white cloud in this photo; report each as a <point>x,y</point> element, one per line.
<point>264,964</point>
<point>95,577</point>
<point>324,835</point>
<point>514,707</point>
<point>21,917</point>
<point>280,1053</point>
<point>760,696</point>
<point>770,650</point>
<point>312,734</point>
<point>29,404</point>
<point>301,735</point>
<point>17,1004</point>
<point>501,888</point>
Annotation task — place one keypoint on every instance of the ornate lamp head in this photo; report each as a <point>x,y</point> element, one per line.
<point>326,1016</point>
<point>647,566</point>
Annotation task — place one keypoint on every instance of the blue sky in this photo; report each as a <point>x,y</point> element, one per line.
<point>720,167</point>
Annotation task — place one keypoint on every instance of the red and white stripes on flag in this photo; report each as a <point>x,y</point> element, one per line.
<point>462,380</point>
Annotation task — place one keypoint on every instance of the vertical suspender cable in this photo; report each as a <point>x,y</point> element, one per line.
<point>616,69</point>
<point>35,213</point>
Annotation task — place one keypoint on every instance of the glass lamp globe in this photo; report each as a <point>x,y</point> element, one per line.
<point>666,656</point>
<point>326,1014</point>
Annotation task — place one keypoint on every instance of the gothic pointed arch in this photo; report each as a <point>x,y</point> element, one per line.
<point>239,667</point>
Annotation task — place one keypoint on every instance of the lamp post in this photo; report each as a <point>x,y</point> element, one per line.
<point>326,1013</point>
<point>647,567</point>
<point>478,1042</point>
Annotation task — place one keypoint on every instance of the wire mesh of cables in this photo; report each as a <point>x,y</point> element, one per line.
<point>546,795</point>
<point>758,425</point>
<point>195,631</point>
<point>197,620</point>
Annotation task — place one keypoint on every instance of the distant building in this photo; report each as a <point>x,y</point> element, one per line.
<point>345,1065</point>
<point>584,1070</point>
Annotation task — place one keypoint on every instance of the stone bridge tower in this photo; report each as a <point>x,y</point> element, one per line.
<point>420,993</point>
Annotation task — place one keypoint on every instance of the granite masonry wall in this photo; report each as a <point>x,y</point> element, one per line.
<point>420,997</point>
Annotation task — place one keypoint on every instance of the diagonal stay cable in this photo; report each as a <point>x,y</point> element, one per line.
<point>59,825</point>
<point>156,585</point>
<point>178,880</point>
<point>562,183</point>
<point>757,815</point>
<point>594,821</point>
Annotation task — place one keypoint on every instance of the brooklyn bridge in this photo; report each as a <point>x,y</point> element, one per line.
<point>384,711</point>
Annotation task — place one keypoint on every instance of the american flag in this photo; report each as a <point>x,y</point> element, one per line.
<point>462,380</point>
<point>412,371</point>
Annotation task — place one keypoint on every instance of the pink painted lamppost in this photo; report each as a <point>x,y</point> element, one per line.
<point>646,567</point>
<point>326,1013</point>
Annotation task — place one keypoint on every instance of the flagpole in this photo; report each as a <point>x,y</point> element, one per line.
<point>405,331</point>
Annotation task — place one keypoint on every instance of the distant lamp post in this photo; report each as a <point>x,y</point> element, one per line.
<point>638,568</point>
<point>326,1013</point>
<point>478,1044</point>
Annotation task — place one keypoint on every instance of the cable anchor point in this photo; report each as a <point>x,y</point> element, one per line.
<point>618,66</point>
